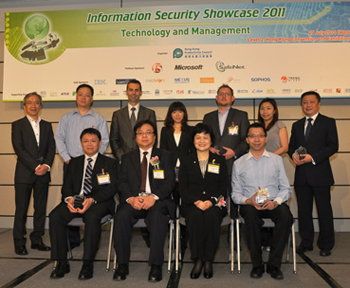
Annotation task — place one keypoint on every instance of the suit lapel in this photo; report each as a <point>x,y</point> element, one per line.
<point>125,114</point>
<point>80,169</point>
<point>229,121</point>
<point>216,124</point>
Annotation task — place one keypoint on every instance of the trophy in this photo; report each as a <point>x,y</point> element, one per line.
<point>301,152</point>
<point>78,201</point>
<point>262,195</point>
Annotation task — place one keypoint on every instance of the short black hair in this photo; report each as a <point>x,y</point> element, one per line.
<point>225,86</point>
<point>30,95</point>
<point>143,122</point>
<point>134,81</point>
<point>85,86</point>
<point>307,93</point>
<point>256,125</point>
<point>91,131</point>
<point>203,128</point>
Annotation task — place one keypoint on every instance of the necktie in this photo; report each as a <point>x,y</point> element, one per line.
<point>143,172</point>
<point>308,128</point>
<point>87,179</point>
<point>133,117</point>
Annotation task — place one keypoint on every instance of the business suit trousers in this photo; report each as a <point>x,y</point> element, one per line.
<point>23,192</point>
<point>204,231</point>
<point>59,218</point>
<point>305,195</point>
<point>157,222</point>
<point>283,220</point>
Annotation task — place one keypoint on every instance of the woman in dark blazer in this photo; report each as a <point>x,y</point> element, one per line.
<point>203,188</point>
<point>176,135</point>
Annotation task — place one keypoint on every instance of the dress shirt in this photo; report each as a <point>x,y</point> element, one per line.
<point>94,157</point>
<point>36,128</point>
<point>249,174</point>
<point>137,109</point>
<point>222,119</point>
<point>70,127</point>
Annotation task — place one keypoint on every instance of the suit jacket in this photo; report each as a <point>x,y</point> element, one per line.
<point>235,142</point>
<point>185,146</point>
<point>122,135</point>
<point>29,155</point>
<point>101,193</point>
<point>193,186</point>
<point>322,143</point>
<point>130,175</point>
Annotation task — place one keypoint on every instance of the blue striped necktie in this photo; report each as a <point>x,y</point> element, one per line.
<point>87,179</point>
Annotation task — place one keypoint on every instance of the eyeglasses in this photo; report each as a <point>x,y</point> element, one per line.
<point>224,94</point>
<point>260,136</point>
<point>147,133</point>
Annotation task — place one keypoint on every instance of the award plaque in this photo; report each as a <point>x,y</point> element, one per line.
<point>301,152</point>
<point>262,195</point>
<point>78,201</point>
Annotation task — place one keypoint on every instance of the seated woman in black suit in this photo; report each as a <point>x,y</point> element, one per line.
<point>203,186</point>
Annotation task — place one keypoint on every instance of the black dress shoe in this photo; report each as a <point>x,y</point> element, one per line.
<point>197,269</point>
<point>325,253</point>
<point>257,272</point>
<point>155,274</point>
<point>86,271</point>
<point>21,250</point>
<point>302,249</point>
<point>121,272</point>
<point>274,272</point>
<point>40,246</point>
<point>61,268</point>
<point>208,269</point>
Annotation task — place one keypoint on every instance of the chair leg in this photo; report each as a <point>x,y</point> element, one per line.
<point>177,244</point>
<point>232,237</point>
<point>69,252</point>
<point>110,245</point>
<point>294,250</point>
<point>238,241</point>
<point>170,245</point>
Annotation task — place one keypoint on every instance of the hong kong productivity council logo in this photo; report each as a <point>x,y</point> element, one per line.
<point>177,53</point>
<point>37,29</point>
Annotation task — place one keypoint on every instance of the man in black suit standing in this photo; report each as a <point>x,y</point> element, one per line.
<point>91,178</point>
<point>34,145</point>
<point>123,121</point>
<point>313,141</point>
<point>145,185</point>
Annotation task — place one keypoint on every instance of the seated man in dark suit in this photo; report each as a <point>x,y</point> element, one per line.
<point>145,184</point>
<point>93,178</point>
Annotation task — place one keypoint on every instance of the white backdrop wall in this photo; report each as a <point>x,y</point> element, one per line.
<point>289,112</point>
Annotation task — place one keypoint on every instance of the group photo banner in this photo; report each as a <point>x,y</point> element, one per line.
<point>180,52</point>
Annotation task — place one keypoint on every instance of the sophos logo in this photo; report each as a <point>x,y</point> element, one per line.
<point>260,79</point>
<point>222,67</point>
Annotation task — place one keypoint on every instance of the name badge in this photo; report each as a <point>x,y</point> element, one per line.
<point>158,174</point>
<point>233,130</point>
<point>103,178</point>
<point>214,168</point>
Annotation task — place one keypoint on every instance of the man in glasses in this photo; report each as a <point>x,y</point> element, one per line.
<point>145,185</point>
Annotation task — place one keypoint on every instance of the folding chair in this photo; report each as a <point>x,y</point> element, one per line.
<point>227,220</point>
<point>108,219</point>
<point>141,224</point>
<point>268,223</point>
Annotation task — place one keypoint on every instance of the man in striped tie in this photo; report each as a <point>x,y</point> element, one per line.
<point>88,192</point>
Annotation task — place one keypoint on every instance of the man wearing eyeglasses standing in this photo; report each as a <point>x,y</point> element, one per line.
<point>229,126</point>
<point>260,186</point>
<point>146,181</point>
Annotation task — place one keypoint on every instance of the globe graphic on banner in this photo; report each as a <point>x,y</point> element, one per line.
<point>37,27</point>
